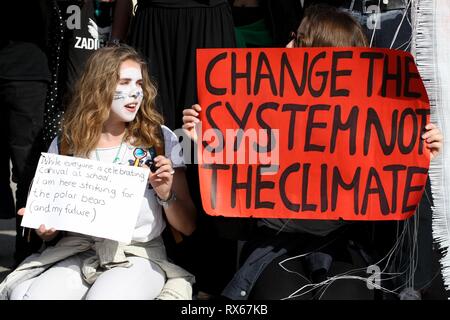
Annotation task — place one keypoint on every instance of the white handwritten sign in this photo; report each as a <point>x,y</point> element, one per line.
<point>85,196</point>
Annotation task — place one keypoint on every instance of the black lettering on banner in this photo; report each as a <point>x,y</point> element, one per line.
<point>339,181</point>
<point>240,122</point>
<point>214,125</point>
<point>305,205</point>
<point>384,206</point>
<point>247,186</point>
<point>241,75</point>
<point>264,61</point>
<point>271,141</point>
<point>311,125</point>
<point>284,176</point>
<point>214,168</point>
<point>374,120</point>
<point>337,55</point>
<point>260,185</point>
<point>372,56</point>
<point>324,74</point>
<point>293,108</point>
<point>409,188</point>
<point>405,149</point>
<point>285,65</point>
<point>408,76</point>
<point>351,123</point>
<point>211,89</point>
<point>397,77</point>
<point>395,168</point>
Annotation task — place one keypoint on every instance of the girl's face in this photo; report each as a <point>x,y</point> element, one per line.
<point>128,96</point>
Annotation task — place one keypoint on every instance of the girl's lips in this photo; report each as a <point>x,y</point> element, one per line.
<point>131,107</point>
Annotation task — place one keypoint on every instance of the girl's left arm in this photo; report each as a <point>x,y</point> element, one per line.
<point>181,212</point>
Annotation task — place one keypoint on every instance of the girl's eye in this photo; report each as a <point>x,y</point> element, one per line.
<point>124,82</point>
<point>139,83</point>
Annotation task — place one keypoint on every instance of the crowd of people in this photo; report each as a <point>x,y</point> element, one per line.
<point>126,71</point>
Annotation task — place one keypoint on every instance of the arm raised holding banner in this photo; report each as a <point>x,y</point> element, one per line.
<point>190,120</point>
<point>309,215</point>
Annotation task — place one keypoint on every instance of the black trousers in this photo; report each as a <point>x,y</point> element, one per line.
<point>307,270</point>
<point>21,112</point>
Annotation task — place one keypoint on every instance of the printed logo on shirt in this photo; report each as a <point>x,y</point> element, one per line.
<point>98,39</point>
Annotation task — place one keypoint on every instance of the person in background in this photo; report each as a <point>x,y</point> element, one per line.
<point>314,250</point>
<point>167,33</point>
<point>264,23</point>
<point>24,80</point>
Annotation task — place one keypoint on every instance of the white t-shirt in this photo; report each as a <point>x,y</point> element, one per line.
<point>150,222</point>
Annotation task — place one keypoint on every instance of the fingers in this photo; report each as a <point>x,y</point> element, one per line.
<point>434,146</point>
<point>164,168</point>
<point>21,211</point>
<point>45,233</point>
<point>190,115</point>
<point>190,112</point>
<point>197,107</point>
<point>189,119</point>
<point>433,135</point>
<point>188,125</point>
<point>163,165</point>
<point>164,175</point>
<point>435,149</point>
<point>430,126</point>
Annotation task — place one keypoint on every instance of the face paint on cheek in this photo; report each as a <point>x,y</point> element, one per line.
<point>124,106</point>
<point>119,95</point>
<point>128,96</point>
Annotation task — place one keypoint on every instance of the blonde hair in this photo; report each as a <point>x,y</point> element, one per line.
<point>326,26</point>
<point>92,99</point>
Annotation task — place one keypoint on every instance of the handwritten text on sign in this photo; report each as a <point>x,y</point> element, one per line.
<point>86,196</point>
<point>326,133</point>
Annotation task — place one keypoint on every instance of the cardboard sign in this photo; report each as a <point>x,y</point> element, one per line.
<point>311,133</point>
<point>85,196</point>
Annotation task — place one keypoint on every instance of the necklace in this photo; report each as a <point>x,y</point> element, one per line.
<point>116,157</point>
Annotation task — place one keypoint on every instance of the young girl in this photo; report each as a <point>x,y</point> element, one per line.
<point>314,251</point>
<point>112,118</point>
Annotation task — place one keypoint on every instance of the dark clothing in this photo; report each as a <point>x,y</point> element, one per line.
<point>262,277</point>
<point>21,110</point>
<point>24,21</point>
<point>82,40</point>
<point>180,3</point>
<point>24,78</point>
<point>276,18</point>
<point>23,40</point>
<point>20,60</point>
<point>70,45</point>
<point>169,37</point>
<point>168,33</point>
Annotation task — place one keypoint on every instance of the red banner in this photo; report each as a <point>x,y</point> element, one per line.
<point>311,133</point>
